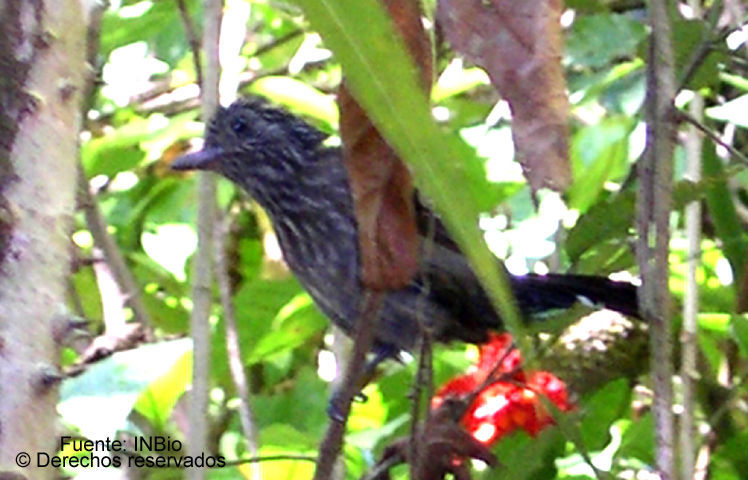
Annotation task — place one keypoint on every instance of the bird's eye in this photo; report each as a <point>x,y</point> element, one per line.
<point>239,125</point>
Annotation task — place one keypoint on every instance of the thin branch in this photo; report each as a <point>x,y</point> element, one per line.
<point>277,42</point>
<point>423,377</point>
<point>159,97</point>
<point>189,31</point>
<point>272,458</point>
<point>364,337</point>
<point>705,47</point>
<point>737,154</point>
<point>693,147</point>
<point>233,349</point>
<point>97,226</point>
<point>653,214</point>
<point>202,292</point>
<point>95,221</point>
<point>381,469</point>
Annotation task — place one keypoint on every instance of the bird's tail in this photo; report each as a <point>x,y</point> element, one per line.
<point>538,293</point>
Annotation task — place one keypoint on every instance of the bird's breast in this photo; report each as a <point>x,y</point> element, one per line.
<point>323,255</point>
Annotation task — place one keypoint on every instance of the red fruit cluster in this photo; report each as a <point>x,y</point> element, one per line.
<point>510,403</point>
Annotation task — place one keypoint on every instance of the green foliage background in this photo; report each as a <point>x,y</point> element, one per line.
<point>139,122</point>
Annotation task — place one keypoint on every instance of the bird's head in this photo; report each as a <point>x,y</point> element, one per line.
<point>254,145</point>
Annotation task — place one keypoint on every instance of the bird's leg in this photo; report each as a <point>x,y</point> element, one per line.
<point>381,353</point>
<point>366,375</point>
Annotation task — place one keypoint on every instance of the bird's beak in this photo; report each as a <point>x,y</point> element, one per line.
<point>206,159</point>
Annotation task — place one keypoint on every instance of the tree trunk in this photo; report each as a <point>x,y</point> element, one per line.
<point>42,66</point>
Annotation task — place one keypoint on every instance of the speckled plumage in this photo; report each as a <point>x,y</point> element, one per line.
<point>303,185</point>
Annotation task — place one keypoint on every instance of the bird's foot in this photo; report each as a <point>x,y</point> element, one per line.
<point>369,371</point>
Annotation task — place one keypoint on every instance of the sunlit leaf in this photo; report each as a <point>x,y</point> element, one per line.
<point>158,400</point>
<point>733,111</point>
<point>99,400</point>
<point>299,97</point>
<point>599,154</point>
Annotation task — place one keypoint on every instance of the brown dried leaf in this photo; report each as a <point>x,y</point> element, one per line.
<point>382,187</point>
<point>519,44</point>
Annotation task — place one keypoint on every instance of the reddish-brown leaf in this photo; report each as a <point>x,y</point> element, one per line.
<point>518,43</point>
<point>382,187</point>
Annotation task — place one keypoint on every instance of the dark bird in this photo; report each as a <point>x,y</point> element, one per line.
<point>303,185</point>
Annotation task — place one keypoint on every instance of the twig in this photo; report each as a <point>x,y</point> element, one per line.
<point>689,332</point>
<point>233,349</point>
<point>202,293</point>
<point>97,226</point>
<point>737,155</point>
<point>364,338</point>
<point>653,213</point>
<point>158,98</point>
<point>705,46</point>
<point>424,374</point>
<point>277,42</point>
<point>95,221</point>
<point>189,31</point>
<point>382,468</point>
<point>423,377</point>
<point>272,458</point>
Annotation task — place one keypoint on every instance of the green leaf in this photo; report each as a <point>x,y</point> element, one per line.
<point>734,80</point>
<point>723,213</point>
<point>300,98</point>
<point>121,149</point>
<point>604,220</point>
<point>729,459</point>
<point>619,85</point>
<point>87,290</point>
<point>739,325</point>
<point>714,322</point>
<point>370,438</point>
<point>159,23</point>
<point>455,82</point>
<point>688,35</point>
<point>606,257</point>
<point>600,409</point>
<point>157,401</point>
<point>289,334</point>
<point>301,404</point>
<point>286,436</point>
<point>262,300</point>
<point>597,40</point>
<point>525,457</point>
<point>99,400</point>
<point>712,350</point>
<point>382,77</point>
<point>257,304</point>
<point>291,469</point>
<point>587,5</point>
<point>465,112</point>
<point>638,440</point>
<point>599,153</point>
